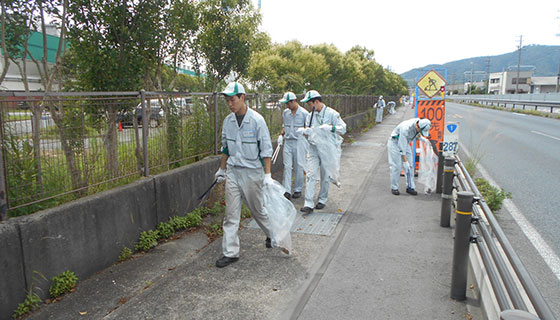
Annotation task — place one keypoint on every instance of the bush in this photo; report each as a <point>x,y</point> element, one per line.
<point>493,196</point>
<point>126,253</point>
<point>193,219</point>
<point>62,283</point>
<point>31,303</point>
<point>178,223</point>
<point>165,230</point>
<point>148,239</point>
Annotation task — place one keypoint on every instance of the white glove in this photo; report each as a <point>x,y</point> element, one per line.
<point>268,180</point>
<point>406,166</point>
<point>280,140</point>
<point>326,127</point>
<point>220,175</point>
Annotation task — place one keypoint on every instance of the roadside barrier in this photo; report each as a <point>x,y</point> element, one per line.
<point>503,266</point>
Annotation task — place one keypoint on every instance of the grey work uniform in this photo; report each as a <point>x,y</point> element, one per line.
<point>379,111</point>
<point>295,148</point>
<point>399,145</point>
<point>246,145</point>
<point>313,165</point>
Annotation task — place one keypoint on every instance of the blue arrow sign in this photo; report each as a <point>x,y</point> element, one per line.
<point>452,127</point>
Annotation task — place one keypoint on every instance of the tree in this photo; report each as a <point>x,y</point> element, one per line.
<point>323,67</point>
<point>227,37</point>
<point>115,47</point>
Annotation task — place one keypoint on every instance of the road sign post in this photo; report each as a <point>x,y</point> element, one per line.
<point>450,140</point>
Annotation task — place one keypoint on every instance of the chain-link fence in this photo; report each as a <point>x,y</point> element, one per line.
<point>57,147</point>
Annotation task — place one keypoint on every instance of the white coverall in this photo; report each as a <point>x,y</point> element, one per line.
<point>399,145</point>
<point>379,113</point>
<point>245,145</point>
<point>295,148</point>
<point>326,116</point>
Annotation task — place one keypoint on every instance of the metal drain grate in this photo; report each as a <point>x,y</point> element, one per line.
<point>317,223</point>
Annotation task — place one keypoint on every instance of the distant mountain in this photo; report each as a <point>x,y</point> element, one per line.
<point>545,59</point>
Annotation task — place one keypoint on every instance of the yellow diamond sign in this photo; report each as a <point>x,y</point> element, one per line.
<point>431,83</point>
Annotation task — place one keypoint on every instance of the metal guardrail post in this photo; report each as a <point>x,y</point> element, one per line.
<point>517,315</point>
<point>439,180</point>
<point>145,124</point>
<point>461,246</point>
<point>215,123</point>
<point>447,194</point>
<point>3,190</point>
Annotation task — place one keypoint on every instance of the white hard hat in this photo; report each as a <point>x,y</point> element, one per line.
<point>424,125</point>
<point>310,95</point>
<point>233,88</point>
<point>288,96</point>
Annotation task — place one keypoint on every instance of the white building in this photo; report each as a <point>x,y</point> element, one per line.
<point>543,84</point>
<point>507,82</point>
<point>14,80</point>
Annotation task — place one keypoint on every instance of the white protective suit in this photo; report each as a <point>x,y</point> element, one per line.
<point>379,112</point>
<point>330,117</point>
<point>246,146</point>
<point>391,105</point>
<point>295,148</point>
<point>399,145</point>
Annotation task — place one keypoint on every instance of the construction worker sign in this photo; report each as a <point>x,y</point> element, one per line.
<point>431,83</point>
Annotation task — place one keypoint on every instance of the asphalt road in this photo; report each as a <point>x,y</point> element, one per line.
<point>521,153</point>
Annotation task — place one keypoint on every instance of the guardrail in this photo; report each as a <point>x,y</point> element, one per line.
<point>486,233</point>
<point>551,101</point>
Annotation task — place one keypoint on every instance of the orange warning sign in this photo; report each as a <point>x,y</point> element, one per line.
<point>433,110</point>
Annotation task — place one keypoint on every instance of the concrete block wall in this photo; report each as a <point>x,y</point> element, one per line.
<point>87,235</point>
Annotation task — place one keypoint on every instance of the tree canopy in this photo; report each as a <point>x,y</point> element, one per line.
<point>295,67</point>
<point>117,45</point>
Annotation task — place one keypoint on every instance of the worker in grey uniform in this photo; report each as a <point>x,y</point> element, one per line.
<point>400,152</point>
<point>246,149</point>
<point>295,145</point>
<point>380,105</point>
<point>321,117</point>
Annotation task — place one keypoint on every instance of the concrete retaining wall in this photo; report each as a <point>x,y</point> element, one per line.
<point>87,235</point>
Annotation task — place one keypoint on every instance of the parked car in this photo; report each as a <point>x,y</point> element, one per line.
<point>156,116</point>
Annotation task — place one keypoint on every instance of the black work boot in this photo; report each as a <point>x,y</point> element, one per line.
<point>225,261</point>
<point>306,210</point>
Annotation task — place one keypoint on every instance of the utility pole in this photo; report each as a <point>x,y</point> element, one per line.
<point>472,73</point>
<point>558,76</point>
<point>488,75</point>
<point>518,64</point>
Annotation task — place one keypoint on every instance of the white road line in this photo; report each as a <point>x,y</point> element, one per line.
<point>548,255</point>
<point>546,135</point>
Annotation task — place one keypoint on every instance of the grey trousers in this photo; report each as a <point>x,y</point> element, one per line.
<point>242,184</point>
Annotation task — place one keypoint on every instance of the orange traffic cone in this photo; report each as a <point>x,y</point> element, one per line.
<point>120,126</point>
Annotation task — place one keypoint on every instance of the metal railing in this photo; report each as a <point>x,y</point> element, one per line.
<point>540,102</point>
<point>56,147</point>
<point>491,241</point>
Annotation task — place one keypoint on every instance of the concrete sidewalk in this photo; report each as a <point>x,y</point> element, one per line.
<point>386,259</point>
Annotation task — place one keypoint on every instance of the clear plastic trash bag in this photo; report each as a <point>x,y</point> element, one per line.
<point>281,215</point>
<point>302,149</point>
<point>428,166</point>
<point>329,149</point>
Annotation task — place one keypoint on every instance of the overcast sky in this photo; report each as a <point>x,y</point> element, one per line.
<point>406,34</point>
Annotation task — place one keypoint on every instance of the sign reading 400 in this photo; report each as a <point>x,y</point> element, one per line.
<point>433,110</point>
